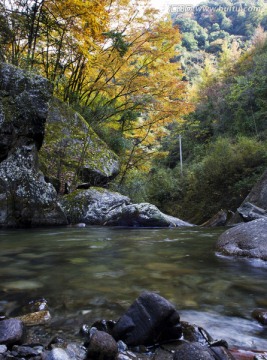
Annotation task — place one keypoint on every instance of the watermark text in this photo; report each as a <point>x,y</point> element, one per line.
<point>184,8</point>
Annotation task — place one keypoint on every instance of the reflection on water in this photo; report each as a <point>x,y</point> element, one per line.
<point>97,272</point>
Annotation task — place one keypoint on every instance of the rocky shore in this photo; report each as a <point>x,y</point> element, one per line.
<point>151,328</point>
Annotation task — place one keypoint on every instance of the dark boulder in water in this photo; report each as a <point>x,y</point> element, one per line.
<point>151,319</point>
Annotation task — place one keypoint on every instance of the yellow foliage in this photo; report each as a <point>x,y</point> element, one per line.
<point>114,57</point>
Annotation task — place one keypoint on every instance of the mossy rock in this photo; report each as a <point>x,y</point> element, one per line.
<point>24,99</point>
<point>72,152</point>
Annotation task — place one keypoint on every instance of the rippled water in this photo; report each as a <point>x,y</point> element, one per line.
<point>96,272</point>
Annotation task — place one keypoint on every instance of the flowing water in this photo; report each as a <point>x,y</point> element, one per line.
<point>96,273</point>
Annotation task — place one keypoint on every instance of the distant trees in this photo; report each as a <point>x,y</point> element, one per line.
<point>224,138</point>
<point>212,24</point>
<point>233,101</point>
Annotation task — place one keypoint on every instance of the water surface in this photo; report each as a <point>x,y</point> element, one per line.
<point>96,272</point>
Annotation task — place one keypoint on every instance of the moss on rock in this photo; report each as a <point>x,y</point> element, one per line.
<point>72,151</point>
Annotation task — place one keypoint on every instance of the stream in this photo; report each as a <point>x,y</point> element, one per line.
<point>94,273</point>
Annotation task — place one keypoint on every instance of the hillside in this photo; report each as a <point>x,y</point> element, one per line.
<point>213,24</point>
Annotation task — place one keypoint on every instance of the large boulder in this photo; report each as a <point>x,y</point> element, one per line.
<point>97,206</point>
<point>23,108</point>
<point>93,206</point>
<point>73,153</point>
<point>151,319</point>
<point>246,239</point>
<point>143,215</point>
<point>26,199</point>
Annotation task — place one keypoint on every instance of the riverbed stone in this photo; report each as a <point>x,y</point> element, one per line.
<point>3,349</point>
<point>196,351</point>
<point>260,315</point>
<point>11,331</point>
<point>194,333</point>
<point>149,320</point>
<point>56,354</point>
<point>102,346</point>
<point>192,351</point>
<point>245,240</point>
<point>25,351</point>
<point>76,351</point>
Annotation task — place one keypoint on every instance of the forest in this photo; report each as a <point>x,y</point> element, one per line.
<point>151,84</point>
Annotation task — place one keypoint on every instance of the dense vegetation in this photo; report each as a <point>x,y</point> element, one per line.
<point>225,137</point>
<point>109,60</point>
<point>140,81</point>
<point>224,141</point>
<point>212,25</point>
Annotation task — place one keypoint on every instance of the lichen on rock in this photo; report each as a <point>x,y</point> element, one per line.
<point>97,206</point>
<point>26,199</point>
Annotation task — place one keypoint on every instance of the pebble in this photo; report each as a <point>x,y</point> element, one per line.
<point>36,318</point>
<point>3,349</point>
<point>11,331</point>
<point>260,315</point>
<point>56,354</point>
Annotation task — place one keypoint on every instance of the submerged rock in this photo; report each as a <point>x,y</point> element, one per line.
<point>246,240</point>
<point>98,206</point>
<point>35,318</point>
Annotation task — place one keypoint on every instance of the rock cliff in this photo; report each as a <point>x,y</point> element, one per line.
<point>26,199</point>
